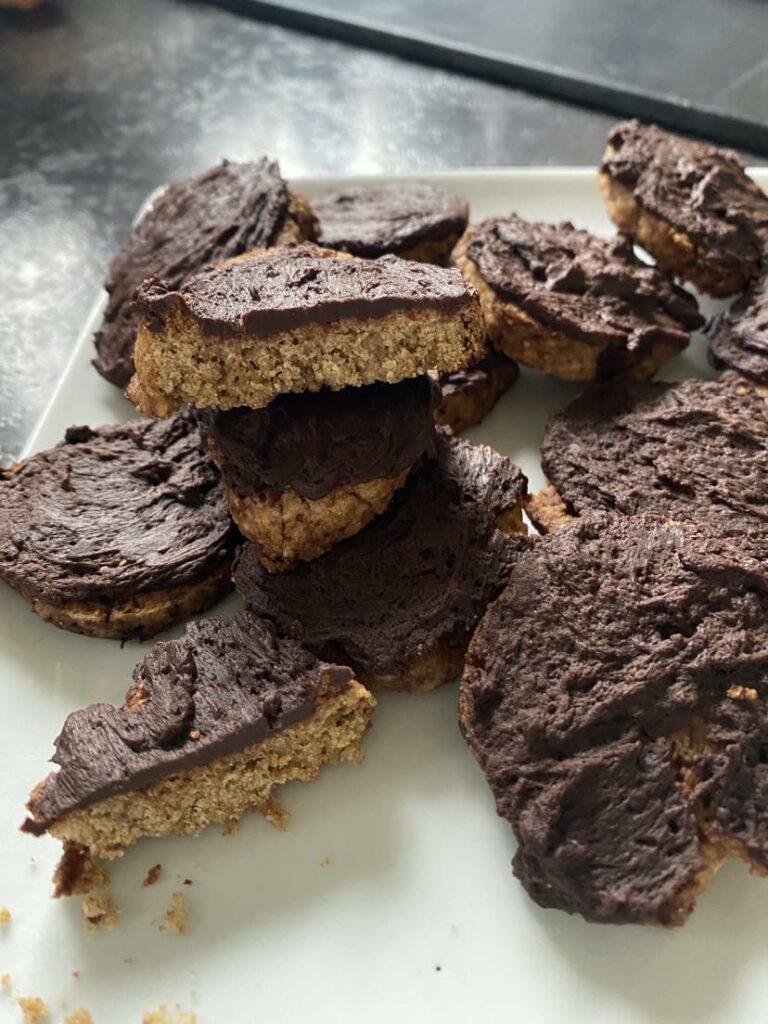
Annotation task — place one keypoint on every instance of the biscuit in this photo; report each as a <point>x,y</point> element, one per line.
<point>696,451</point>
<point>221,213</point>
<point>213,723</point>
<point>298,319</point>
<point>739,338</point>
<point>574,305</point>
<point>117,532</point>
<point>311,469</point>
<point>689,204</point>
<point>615,697</point>
<point>468,395</point>
<point>398,601</point>
<point>413,220</point>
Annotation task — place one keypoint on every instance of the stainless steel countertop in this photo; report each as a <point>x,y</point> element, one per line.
<point>103,102</point>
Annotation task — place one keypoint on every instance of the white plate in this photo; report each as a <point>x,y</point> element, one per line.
<point>390,897</point>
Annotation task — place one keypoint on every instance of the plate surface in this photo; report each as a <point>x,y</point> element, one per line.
<point>390,897</point>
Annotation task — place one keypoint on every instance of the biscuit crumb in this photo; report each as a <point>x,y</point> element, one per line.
<point>232,827</point>
<point>80,1016</point>
<point>187,881</point>
<point>99,911</point>
<point>742,693</point>
<point>5,981</point>
<point>5,917</point>
<point>75,974</point>
<point>33,1009</point>
<point>325,862</point>
<point>165,1016</point>
<point>175,919</point>
<point>152,875</point>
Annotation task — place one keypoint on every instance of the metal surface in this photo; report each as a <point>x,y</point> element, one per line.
<point>695,65</point>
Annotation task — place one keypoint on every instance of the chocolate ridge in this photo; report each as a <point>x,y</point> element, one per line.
<point>287,288</point>
<point>224,685</point>
<point>739,338</point>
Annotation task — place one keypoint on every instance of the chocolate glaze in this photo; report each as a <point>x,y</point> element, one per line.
<point>697,450</point>
<point>593,289</point>
<point>286,288</point>
<point>416,579</point>
<point>227,683</point>
<point>694,186</point>
<point>470,378</point>
<point>389,218</point>
<point>739,338</point>
<point>617,636</point>
<point>318,441</point>
<point>216,215</point>
<point>113,512</point>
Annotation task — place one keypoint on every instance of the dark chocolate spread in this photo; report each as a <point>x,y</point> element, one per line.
<point>739,338</point>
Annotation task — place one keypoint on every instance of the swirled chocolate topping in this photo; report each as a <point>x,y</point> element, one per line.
<point>113,512</point>
<point>615,697</point>
<point>694,186</point>
<point>417,577</point>
<point>216,215</point>
<point>697,450</point>
<point>286,288</point>
<point>316,441</point>
<point>227,683</point>
<point>739,338</point>
<point>389,218</point>
<point>595,290</point>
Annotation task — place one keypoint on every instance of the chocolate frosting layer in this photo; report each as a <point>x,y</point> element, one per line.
<point>227,683</point>
<point>216,215</point>
<point>389,218</point>
<point>739,338</point>
<point>113,512</point>
<point>415,579</point>
<point>595,290</point>
<point>286,288</point>
<point>318,441</point>
<point>694,186</point>
<point>615,697</point>
<point>697,450</point>
<point>470,378</point>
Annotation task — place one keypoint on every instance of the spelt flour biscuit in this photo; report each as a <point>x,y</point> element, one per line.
<point>398,601</point>
<point>413,220</point>
<point>295,320</point>
<point>311,469</point>
<point>120,531</point>
<point>693,451</point>
<point>468,395</point>
<point>572,304</point>
<point>221,213</point>
<point>615,697</point>
<point>739,338</point>
<point>213,723</point>
<point>690,204</point>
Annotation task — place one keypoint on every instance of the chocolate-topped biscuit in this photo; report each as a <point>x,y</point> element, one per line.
<point>398,601</point>
<point>414,220</point>
<point>311,469</point>
<point>299,319</point>
<point>218,214</point>
<point>690,204</point>
<point>213,722</point>
<point>469,394</point>
<point>119,531</point>
<point>615,697</point>
<point>739,338</point>
<point>693,451</point>
<point>572,304</point>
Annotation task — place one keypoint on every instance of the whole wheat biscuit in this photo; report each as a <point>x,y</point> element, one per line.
<point>296,320</point>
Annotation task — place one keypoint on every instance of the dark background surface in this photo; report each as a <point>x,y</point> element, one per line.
<point>101,102</point>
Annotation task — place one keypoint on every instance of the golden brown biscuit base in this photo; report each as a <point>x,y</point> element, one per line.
<point>291,528</point>
<point>221,791</point>
<point>429,671</point>
<point>300,225</point>
<point>527,341</point>
<point>672,249</point>
<point>139,616</point>
<point>185,365</point>
<point>468,407</point>
<point>547,510</point>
